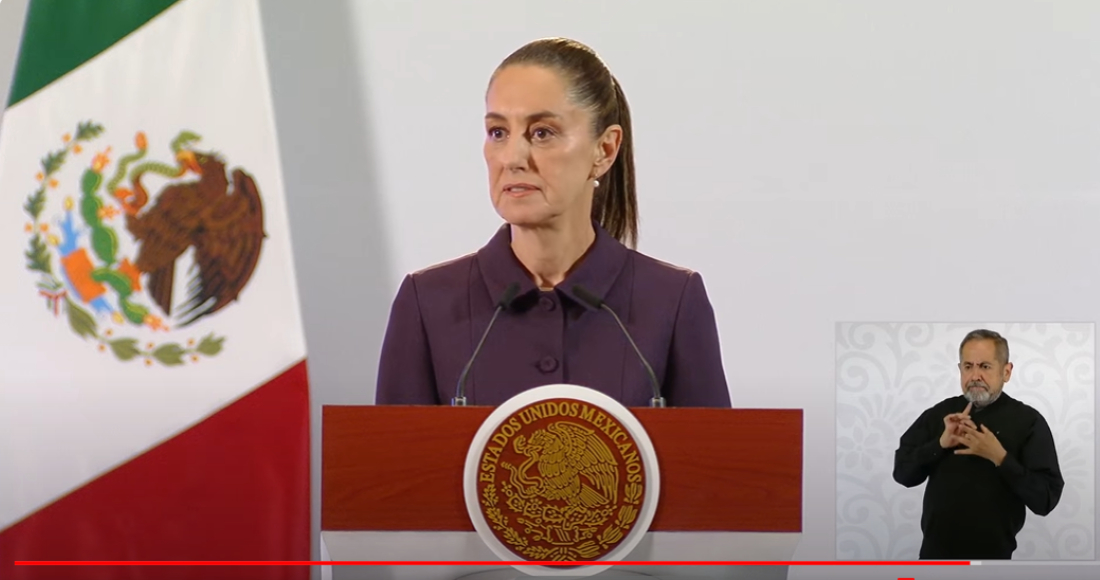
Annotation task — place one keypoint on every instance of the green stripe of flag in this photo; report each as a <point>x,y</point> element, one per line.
<point>60,35</point>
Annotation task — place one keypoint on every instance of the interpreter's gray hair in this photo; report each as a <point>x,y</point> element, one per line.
<point>999,342</point>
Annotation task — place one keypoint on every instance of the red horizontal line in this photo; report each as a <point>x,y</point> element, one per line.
<point>492,563</point>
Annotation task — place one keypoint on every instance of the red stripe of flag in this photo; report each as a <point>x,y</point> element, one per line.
<point>233,487</point>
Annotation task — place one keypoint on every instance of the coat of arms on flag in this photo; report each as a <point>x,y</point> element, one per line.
<point>95,230</point>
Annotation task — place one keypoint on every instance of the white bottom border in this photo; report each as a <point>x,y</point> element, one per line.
<point>468,547</point>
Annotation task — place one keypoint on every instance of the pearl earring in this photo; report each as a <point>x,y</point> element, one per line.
<point>596,182</point>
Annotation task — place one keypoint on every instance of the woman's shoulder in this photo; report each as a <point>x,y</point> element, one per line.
<point>443,275</point>
<point>652,271</point>
<point>667,289</point>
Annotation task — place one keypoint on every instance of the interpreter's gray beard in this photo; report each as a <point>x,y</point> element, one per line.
<point>979,397</point>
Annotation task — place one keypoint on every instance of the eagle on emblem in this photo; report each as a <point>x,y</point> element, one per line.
<point>573,465</point>
<point>219,215</point>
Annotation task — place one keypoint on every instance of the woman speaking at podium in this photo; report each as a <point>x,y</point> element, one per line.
<point>539,303</point>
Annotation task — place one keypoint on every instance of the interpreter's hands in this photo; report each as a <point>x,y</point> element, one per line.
<point>952,427</point>
<point>982,443</point>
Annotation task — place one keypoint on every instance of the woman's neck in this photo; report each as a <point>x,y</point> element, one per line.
<point>549,254</point>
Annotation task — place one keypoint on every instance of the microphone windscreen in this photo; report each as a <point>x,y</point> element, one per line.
<point>587,297</point>
<point>508,296</point>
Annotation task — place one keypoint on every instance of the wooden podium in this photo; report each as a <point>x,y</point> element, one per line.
<point>391,491</point>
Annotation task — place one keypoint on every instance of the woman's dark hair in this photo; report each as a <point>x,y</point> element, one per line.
<point>593,87</point>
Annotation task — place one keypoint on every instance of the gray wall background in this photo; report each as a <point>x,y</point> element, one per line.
<point>11,27</point>
<point>329,172</point>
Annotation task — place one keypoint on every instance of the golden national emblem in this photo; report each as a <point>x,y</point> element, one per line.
<point>561,479</point>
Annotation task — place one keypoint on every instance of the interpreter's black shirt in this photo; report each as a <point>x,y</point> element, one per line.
<point>973,509</point>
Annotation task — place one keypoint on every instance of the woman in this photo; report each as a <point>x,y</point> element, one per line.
<point>561,174</point>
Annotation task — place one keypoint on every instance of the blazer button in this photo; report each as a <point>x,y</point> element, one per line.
<point>547,303</point>
<point>548,364</point>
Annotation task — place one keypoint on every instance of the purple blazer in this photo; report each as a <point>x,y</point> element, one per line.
<point>549,337</point>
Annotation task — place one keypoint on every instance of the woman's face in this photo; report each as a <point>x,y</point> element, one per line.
<point>539,148</point>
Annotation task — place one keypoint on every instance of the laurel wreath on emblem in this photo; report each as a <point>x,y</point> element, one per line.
<point>91,275</point>
<point>534,510</point>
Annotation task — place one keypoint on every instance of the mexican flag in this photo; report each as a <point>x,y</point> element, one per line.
<point>154,403</point>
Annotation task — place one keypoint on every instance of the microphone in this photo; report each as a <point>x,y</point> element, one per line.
<point>505,301</point>
<point>595,302</point>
